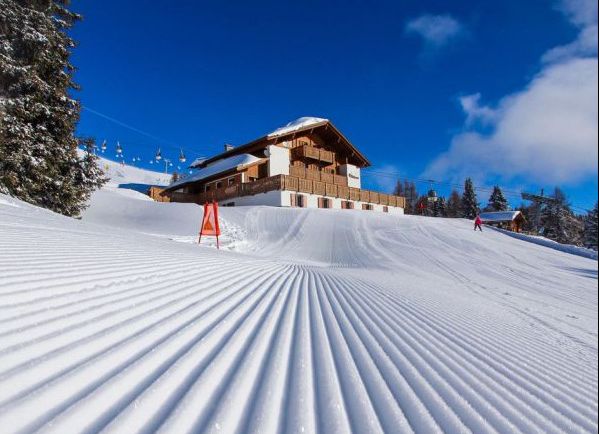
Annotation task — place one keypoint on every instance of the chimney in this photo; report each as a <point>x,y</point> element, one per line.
<point>228,147</point>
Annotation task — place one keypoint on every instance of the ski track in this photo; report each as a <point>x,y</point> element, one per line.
<point>119,332</point>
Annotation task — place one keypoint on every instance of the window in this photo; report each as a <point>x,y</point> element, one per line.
<point>324,202</point>
<point>263,170</point>
<point>219,185</point>
<point>208,187</point>
<point>385,209</point>
<point>230,181</point>
<point>367,207</point>
<point>298,200</point>
<point>346,204</point>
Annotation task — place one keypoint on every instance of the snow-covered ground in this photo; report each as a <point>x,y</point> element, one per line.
<point>306,321</point>
<point>129,177</point>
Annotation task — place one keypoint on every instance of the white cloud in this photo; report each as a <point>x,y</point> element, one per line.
<point>585,45</point>
<point>545,133</point>
<point>581,13</point>
<point>474,111</point>
<point>435,30</point>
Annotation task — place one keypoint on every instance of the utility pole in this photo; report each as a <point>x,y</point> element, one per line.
<point>538,200</point>
<point>167,163</point>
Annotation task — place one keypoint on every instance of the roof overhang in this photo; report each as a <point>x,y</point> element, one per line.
<point>324,127</point>
<point>221,168</point>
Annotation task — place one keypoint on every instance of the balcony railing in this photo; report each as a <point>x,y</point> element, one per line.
<point>313,153</point>
<point>317,175</point>
<point>281,182</point>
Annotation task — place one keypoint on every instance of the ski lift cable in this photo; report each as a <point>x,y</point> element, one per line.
<point>123,124</point>
<point>164,142</point>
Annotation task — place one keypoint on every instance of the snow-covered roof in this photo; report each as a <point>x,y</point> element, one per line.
<point>220,166</point>
<point>198,161</point>
<point>297,124</point>
<point>499,216</point>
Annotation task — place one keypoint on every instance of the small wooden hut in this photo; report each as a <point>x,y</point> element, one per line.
<point>510,220</point>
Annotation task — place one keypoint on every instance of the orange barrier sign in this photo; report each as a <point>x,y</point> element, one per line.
<point>210,226</point>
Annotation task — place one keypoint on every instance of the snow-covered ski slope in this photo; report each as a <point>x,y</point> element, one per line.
<point>308,321</point>
<point>124,174</point>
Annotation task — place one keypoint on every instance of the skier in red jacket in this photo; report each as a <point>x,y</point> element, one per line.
<point>478,223</point>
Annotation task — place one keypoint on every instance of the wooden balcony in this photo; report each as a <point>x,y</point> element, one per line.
<point>317,175</point>
<point>331,190</point>
<point>312,153</point>
<point>319,188</point>
<point>280,182</point>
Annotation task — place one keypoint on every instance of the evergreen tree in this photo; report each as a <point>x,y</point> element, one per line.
<point>470,205</point>
<point>408,190</point>
<point>454,205</point>
<point>590,229</point>
<point>399,190</point>
<point>558,223</point>
<point>440,207</point>
<point>497,201</point>
<point>39,161</point>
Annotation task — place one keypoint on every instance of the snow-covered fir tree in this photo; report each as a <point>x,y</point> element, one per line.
<point>39,162</point>
<point>590,229</point>
<point>559,223</point>
<point>497,201</point>
<point>470,205</point>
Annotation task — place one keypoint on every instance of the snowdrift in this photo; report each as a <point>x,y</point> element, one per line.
<point>309,321</point>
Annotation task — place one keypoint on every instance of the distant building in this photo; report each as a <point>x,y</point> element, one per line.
<point>511,220</point>
<point>307,163</point>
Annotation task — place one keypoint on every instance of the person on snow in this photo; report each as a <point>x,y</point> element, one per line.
<point>478,223</point>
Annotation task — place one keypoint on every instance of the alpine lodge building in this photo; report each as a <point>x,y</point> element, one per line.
<point>308,163</point>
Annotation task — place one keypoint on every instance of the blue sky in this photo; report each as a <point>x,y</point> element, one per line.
<point>501,91</point>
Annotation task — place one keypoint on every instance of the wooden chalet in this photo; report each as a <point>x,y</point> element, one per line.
<point>307,163</point>
<point>511,220</point>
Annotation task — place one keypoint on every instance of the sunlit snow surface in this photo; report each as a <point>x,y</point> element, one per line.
<point>305,321</point>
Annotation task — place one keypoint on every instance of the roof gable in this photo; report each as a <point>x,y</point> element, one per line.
<point>323,127</point>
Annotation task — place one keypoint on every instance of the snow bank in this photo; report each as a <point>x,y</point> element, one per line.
<point>542,241</point>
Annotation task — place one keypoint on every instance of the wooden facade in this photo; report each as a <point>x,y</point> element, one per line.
<point>278,182</point>
<point>318,155</point>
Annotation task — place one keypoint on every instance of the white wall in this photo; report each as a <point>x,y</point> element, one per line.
<point>270,198</point>
<point>312,202</point>
<point>278,161</point>
<point>352,173</point>
<point>283,198</point>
